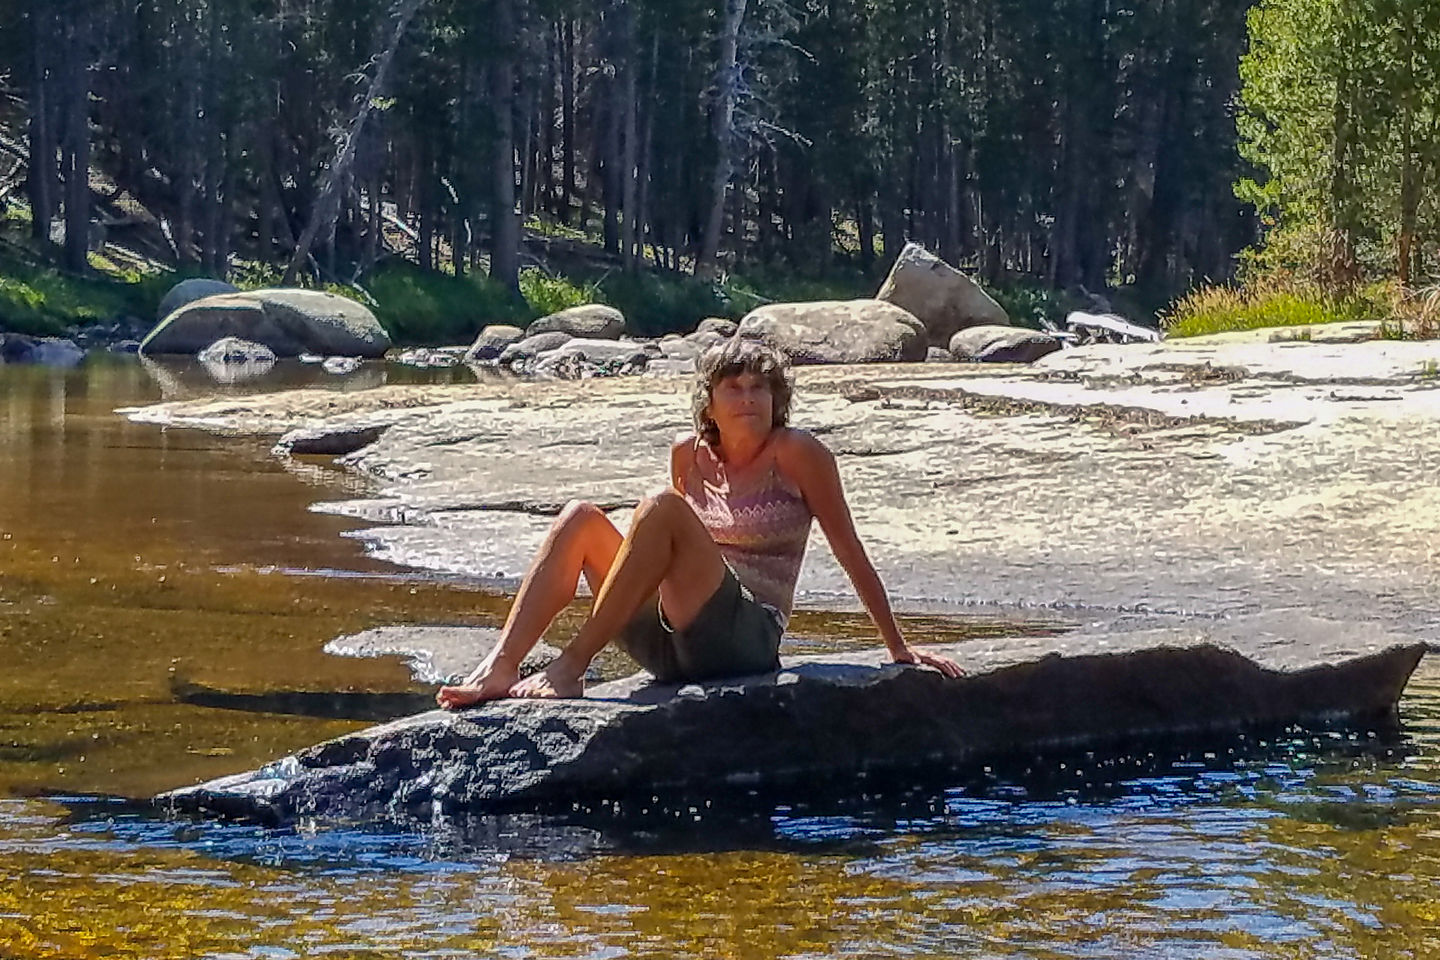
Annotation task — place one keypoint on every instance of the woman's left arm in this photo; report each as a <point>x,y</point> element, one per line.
<point>812,468</point>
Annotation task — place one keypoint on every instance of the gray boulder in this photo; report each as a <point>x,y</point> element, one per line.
<point>188,291</point>
<point>235,350</point>
<point>492,341</point>
<point>333,440</point>
<point>289,322</point>
<point>1002,344</point>
<point>838,331</point>
<point>42,351</point>
<point>531,347</point>
<point>718,325</point>
<point>832,719</point>
<point>938,355</point>
<point>941,297</point>
<point>593,321</point>
<point>704,339</point>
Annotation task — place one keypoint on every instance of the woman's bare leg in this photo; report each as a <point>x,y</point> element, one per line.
<point>667,550</point>
<point>582,540</point>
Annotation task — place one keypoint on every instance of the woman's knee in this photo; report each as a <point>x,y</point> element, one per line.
<point>662,501</point>
<point>577,515</point>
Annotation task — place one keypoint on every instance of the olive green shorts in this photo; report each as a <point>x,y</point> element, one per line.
<point>733,635</point>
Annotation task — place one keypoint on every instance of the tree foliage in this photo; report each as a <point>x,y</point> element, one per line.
<point>1075,142</point>
<point>1341,114</point>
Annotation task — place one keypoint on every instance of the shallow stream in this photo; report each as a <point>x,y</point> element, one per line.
<point>138,565</point>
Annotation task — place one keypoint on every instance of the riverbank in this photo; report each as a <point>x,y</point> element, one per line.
<point>1209,477</point>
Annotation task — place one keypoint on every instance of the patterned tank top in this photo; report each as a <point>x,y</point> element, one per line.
<point>761,524</point>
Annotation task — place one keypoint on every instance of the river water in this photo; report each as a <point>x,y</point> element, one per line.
<point>139,565</point>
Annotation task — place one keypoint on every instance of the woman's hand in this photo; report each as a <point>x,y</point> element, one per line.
<point>945,665</point>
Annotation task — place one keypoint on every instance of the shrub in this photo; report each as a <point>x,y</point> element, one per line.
<point>547,294</point>
<point>1272,303</point>
<point>419,307</point>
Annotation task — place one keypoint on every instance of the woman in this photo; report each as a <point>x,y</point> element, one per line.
<point>702,584</point>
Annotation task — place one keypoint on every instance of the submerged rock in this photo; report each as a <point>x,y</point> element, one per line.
<point>229,350</point>
<point>831,719</point>
<point>42,351</point>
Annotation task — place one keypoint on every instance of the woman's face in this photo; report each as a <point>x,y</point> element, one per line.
<point>742,402</point>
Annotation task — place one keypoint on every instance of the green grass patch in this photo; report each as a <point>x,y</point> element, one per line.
<point>44,301</point>
<point>417,307</point>
<point>1226,308</point>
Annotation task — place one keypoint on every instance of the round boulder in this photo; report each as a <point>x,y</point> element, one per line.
<point>289,322</point>
<point>492,341</point>
<point>941,297</point>
<point>1002,344</point>
<point>593,321</point>
<point>838,331</point>
<point>188,291</point>
<point>720,325</point>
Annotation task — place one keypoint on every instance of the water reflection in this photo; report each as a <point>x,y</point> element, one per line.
<point>137,564</point>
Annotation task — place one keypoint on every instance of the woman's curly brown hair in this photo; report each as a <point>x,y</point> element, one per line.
<point>732,358</point>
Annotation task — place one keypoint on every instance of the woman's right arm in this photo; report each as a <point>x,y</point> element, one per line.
<point>682,455</point>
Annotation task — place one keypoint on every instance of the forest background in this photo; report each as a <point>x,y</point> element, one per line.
<point>461,162</point>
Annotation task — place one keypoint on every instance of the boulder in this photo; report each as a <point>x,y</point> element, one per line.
<point>188,291</point>
<point>531,347</point>
<point>938,355</point>
<point>593,321</point>
<point>235,350</point>
<point>331,440</point>
<point>718,325</point>
<point>1002,344</point>
<point>492,341</point>
<point>43,351</point>
<point>704,339</point>
<point>941,297</point>
<point>838,331</point>
<point>289,322</point>
<point>833,720</point>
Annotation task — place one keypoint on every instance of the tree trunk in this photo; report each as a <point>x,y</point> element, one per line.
<point>642,169</point>
<point>505,224</point>
<point>77,145</point>
<point>322,215</point>
<point>629,155</point>
<point>567,119</point>
<point>41,166</point>
<point>865,220</point>
<point>727,88</point>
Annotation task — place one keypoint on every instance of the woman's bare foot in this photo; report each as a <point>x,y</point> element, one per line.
<point>489,681</point>
<point>556,681</point>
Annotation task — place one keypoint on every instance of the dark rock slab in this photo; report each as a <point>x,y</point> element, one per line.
<point>833,718</point>
<point>332,439</point>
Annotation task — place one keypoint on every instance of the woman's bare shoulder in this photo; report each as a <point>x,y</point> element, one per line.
<point>797,448</point>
